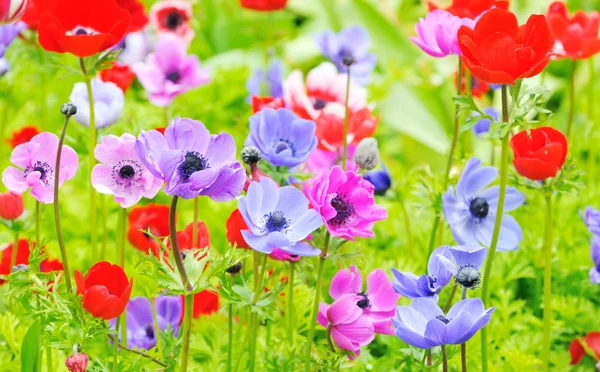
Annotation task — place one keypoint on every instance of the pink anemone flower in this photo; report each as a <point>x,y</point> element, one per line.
<point>172,16</point>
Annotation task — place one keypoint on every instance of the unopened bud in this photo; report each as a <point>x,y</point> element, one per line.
<point>20,267</point>
<point>348,60</point>
<point>68,109</point>
<point>250,155</point>
<point>77,362</point>
<point>468,277</point>
<point>234,269</point>
<point>367,153</point>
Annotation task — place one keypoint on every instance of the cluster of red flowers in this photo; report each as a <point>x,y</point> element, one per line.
<point>22,258</point>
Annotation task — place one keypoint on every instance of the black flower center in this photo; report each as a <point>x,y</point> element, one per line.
<point>442,319</point>
<point>468,276</point>
<point>363,303</point>
<point>150,331</point>
<point>45,171</point>
<point>479,208</point>
<point>81,31</point>
<point>319,104</point>
<point>275,221</point>
<point>173,77</point>
<point>192,163</point>
<point>432,281</point>
<point>173,20</point>
<point>344,210</point>
<point>126,172</point>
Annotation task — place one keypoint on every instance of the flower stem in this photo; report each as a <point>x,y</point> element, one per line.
<point>346,121</point>
<point>116,346</point>
<point>61,242</point>
<point>449,302</point>
<point>123,227</point>
<point>195,243</point>
<point>329,341</point>
<point>157,329</point>
<point>92,159</point>
<point>547,284</point>
<point>485,294</point>
<point>444,359</point>
<point>13,259</point>
<point>313,321</point>
<point>230,318</point>
<point>571,100</point>
<point>187,330</point>
<point>49,363</point>
<point>37,222</point>
<point>463,346</point>
<point>104,227</point>
<point>407,227</point>
<point>254,316</point>
<point>290,313</point>
<point>138,352</point>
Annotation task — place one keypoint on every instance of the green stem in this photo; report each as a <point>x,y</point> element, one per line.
<point>449,302</point>
<point>187,330</point>
<point>49,363</point>
<point>138,352</point>
<point>591,117</point>
<point>290,313</point>
<point>195,243</point>
<point>318,288</point>
<point>485,294</point>
<point>104,227</point>
<point>571,100</point>
<point>230,319</point>
<point>254,316</point>
<point>5,112</point>
<point>123,227</point>
<point>92,159</point>
<point>407,227</point>
<point>13,259</point>
<point>346,121</point>
<point>463,346</point>
<point>37,222</point>
<point>61,242</point>
<point>547,284</point>
<point>444,359</point>
<point>116,346</point>
<point>157,329</point>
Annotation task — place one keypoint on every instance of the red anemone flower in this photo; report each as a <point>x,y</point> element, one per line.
<point>32,13</point>
<point>235,224</point>
<point>541,154</point>
<point>47,265</point>
<point>205,302</point>
<point>263,5</point>
<point>136,11</point>
<point>81,27</point>
<point>11,205</point>
<point>576,36</point>
<point>259,103</point>
<point>470,8</point>
<point>11,10</point>
<point>152,216</point>
<point>105,290</point>
<point>120,74</point>
<point>577,351</point>
<point>22,135</point>
<point>330,128</point>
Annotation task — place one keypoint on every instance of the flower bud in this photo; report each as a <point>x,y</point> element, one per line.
<point>234,269</point>
<point>77,362</point>
<point>250,155</point>
<point>20,267</point>
<point>11,205</point>
<point>367,153</point>
<point>68,109</point>
<point>380,179</point>
<point>348,60</point>
<point>468,277</point>
<point>12,10</point>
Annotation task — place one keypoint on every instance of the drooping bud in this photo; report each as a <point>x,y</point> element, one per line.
<point>250,155</point>
<point>234,269</point>
<point>68,109</point>
<point>367,153</point>
<point>77,362</point>
<point>468,277</point>
<point>20,267</point>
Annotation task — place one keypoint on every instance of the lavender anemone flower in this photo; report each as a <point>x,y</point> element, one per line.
<point>121,172</point>
<point>135,47</point>
<point>283,138</point>
<point>591,217</point>
<point>427,285</point>
<point>437,33</point>
<point>169,71</point>
<point>595,253</point>
<point>483,125</point>
<point>108,103</point>
<point>468,260</point>
<point>380,179</point>
<point>36,161</point>
<point>424,325</point>
<point>352,42</point>
<point>278,218</point>
<point>141,329</point>
<point>192,161</point>
<point>471,210</point>
<point>273,81</point>
<point>8,33</point>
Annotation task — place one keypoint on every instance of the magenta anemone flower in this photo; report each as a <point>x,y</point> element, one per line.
<point>346,202</point>
<point>169,71</point>
<point>35,162</point>
<point>121,172</point>
<point>437,33</point>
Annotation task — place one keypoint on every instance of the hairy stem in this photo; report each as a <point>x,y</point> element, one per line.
<point>463,346</point>
<point>547,285</point>
<point>444,359</point>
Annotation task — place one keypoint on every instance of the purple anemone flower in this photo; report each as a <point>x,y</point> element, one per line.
<point>468,260</point>
<point>437,33</point>
<point>109,100</point>
<point>279,255</point>
<point>192,161</point>
<point>424,325</point>
<point>35,162</point>
<point>121,172</point>
<point>8,33</point>
<point>353,42</point>
<point>483,125</point>
<point>135,46</point>
<point>169,71</point>
<point>273,81</point>
<point>427,285</point>
<point>283,138</point>
<point>471,210</point>
<point>381,179</point>
<point>141,330</point>
<point>595,253</point>
<point>278,218</point>
<point>591,217</point>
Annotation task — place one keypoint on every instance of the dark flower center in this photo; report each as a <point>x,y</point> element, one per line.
<point>173,20</point>
<point>275,221</point>
<point>344,210</point>
<point>442,319</point>
<point>81,31</point>
<point>126,172</point>
<point>192,163</point>
<point>364,302</point>
<point>479,208</point>
<point>150,331</point>
<point>44,169</point>
<point>173,77</point>
<point>468,276</point>
<point>283,145</point>
<point>432,281</point>
<point>319,104</point>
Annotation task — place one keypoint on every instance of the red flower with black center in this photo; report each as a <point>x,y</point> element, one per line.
<point>173,16</point>
<point>263,5</point>
<point>259,103</point>
<point>11,205</point>
<point>592,343</point>
<point>22,135</point>
<point>136,11</point>
<point>541,154</point>
<point>152,216</point>
<point>470,8</point>
<point>105,290</point>
<point>81,27</point>
<point>576,37</point>
<point>235,224</point>
<point>120,74</point>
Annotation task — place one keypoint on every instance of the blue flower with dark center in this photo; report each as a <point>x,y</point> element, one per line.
<point>192,163</point>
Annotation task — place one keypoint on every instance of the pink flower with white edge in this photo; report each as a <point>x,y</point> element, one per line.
<point>172,16</point>
<point>121,173</point>
<point>35,163</point>
<point>378,302</point>
<point>346,203</point>
<point>348,328</point>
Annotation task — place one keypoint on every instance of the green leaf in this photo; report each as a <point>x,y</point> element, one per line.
<point>30,348</point>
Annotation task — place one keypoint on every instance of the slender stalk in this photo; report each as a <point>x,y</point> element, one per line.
<point>104,227</point>
<point>230,318</point>
<point>5,112</point>
<point>463,346</point>
<point>591,117</point>
<point>444,359</point>
<point>254,317</point>
<point>195,243</point>
<point>49,363</point>
<point>123,227</point>
<point>61,242</point>
<point>92,159</point>
<point>138,352</point>
<point>318,288</point>
<point>449,302</point>
<point>116,346</point>
<point>346,121</point>
<point>187,330</point>
<point>407,228</point>
<point>13,258</point>
<point>37,222</point>
<point>547,284</point>
<point>571,100</point>
<point>290,313</point>
<point>485,294</point>
<point>329,341</point>
<point>157,329</point>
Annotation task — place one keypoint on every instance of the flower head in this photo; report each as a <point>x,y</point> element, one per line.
<point>281,255</point>
<point>12,10</point>
<point>8,33</point>
<point>471,209</point>
<point>136,11</point>
<point>169,71</point>
<point>77,362</point>
<point>35,162</point>
<point>595,254</point>
<point>235,225</point>
<point>105,290</point>
<point>121,172</point>
<point>108,103</point>
<point>120,74</point>
<point>278,218</point>
<point>592,220</point>
<point>11,205</point>
<point>367,153</point>
<point>258,103</point>
<point>282,137</point>
<point>153,217</point>
<point>135,47</point>
<point>351,42</point>
<point>470,8</point>
<point>22,135</point>
<point>575,37</point>
<point>466,264</point>
<point>424,325</point>
<point>483,125</point>
<point>22,258</point>
<point>592,346</point>
<point>273,80</point>
<point>205,303</point>
<point>539,154</point>
<point>381,179</point>
<point>172,17</point>
<point>263,5</point>
<point>437,33</point>
<point>346,203</point>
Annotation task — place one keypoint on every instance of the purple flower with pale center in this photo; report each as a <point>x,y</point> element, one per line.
<point>35,167</point>
<point>591,217</point>
<point>378,302</point>
<point>278,218</point>
<point>352,42</point>
<point>8,33</point>
<point>423,324</point>
<point>430,284</point>
<point>121,172</point>
<point>471,210</point>
<point>108,103</point>
<point>483,125</point>
<point>273,81</point>
<point>437,33</point>
<point>283,138</point>
<point>141,329</point>
<point>346,203</point>
<point>169,71</point>
<point>380,179</point>
<point>192,161</point>
<point>595,253</point>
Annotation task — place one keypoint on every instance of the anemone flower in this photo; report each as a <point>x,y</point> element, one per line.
<point>321,161</point>
<point>7,34</point>
<point>134,47</point>
<point>595,253</point>
<point>192,161</point>
<point>108,103</point>
<point>22,135</point>
<point>466,265</point>
<point>150,217</point>
<point>482,126</point>
<point>278,218</point>
<point>437,33</point>
<point>273,79</point>
<point>172,17</point>
<point>471,209</point>
<point>380,178</point>
<point>35,162</point>
<point>591,217</point>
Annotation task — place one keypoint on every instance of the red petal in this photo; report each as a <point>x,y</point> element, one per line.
<point>535,169</point>
<point>577,351</point>
<point>496,21</point>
